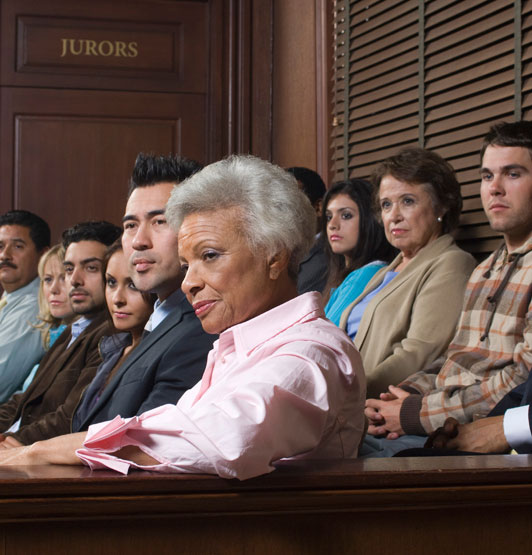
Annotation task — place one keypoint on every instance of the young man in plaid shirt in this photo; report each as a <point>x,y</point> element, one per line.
<point>491,353</point>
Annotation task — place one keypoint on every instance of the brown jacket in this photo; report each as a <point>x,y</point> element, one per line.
<point>46,407</point>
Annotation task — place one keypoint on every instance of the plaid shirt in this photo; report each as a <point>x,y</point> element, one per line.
<point>476,371</point>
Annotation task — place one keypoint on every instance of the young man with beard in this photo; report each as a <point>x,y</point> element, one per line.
<point>45,409</point>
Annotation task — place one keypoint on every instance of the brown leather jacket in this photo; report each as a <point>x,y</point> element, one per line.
<point>46,407</point>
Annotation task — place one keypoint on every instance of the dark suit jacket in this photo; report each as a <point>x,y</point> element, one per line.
<point>314,270</point>
<point>165,364</point>
<point>519,396</point>
<point>46,407</point>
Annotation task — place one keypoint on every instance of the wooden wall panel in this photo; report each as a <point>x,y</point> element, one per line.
<point>247,77</point>
<point>100,177</point>
<point>261,79</point>
<point>86,85</point>
<point>294,84</point>
<point>158,46</point>
<point>72,151</point>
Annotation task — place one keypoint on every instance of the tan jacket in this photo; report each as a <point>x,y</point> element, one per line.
<point>412,320</point>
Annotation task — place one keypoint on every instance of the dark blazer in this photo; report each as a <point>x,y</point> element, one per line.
<point>46,407</point>
<point>519,396</point>
<point>165,364</point>
<point>314,270</point>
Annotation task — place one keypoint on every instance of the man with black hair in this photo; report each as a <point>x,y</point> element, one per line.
<point>152,170</point>
<point>314,269</point>
<point>45,409</point>
<point>24,237</point>
<point>170,359</point>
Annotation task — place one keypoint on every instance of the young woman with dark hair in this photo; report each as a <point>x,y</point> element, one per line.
<point>129,310</point>
<point>356,245</point>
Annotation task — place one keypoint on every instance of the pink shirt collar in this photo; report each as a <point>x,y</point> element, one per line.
<point>249,335</point>
<point>242,339</point>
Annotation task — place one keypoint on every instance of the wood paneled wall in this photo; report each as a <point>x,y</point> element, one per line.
<point>301,82</point>
<point>294,83</point>
<point>86,85</point>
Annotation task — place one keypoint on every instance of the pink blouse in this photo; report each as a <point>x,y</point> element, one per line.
<point>285,384</point>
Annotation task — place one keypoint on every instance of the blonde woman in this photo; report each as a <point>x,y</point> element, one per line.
<point>55,312</point>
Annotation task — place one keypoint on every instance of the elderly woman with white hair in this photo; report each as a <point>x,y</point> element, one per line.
<point>281,381</point>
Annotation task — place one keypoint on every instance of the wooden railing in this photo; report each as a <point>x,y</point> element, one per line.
<point>409,505</point>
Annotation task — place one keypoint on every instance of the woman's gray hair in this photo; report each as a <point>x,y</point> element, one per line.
<point>275,214</point>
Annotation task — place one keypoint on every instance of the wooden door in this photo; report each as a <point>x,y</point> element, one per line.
<point>86,85</point>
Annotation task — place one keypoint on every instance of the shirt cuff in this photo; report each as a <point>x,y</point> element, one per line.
<point>409,389</point>
<point>517,429</point>
<point>409,415</point>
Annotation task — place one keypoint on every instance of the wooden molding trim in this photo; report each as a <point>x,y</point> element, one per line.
<point>323,108</point>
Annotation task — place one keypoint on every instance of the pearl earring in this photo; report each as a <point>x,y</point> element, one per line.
<point>439,219</point>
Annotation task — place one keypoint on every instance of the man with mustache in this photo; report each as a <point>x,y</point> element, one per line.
<point>24,237</point>
<point>491,352</point>
<point>45,409</point>
<point>172,355</point>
